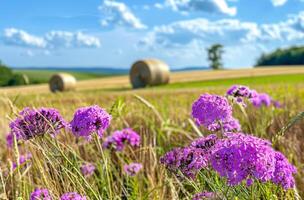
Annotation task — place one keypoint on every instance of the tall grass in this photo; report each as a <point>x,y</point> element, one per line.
<point>163,120</point>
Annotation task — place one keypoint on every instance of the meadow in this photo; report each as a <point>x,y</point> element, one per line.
<point>162,117</point>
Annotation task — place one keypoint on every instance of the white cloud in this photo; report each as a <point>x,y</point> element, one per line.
<point>117,13</point>
<point>190,38</point>
<point>227,31</point>
<point>159,5</point>
<point>18,37</point>
<point>289,30</point>
<point>208,6</point>
<point>57,39</point>
<point>51,40</point>
<point>278,2</point>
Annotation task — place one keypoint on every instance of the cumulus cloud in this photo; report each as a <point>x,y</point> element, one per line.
<point>208,6</point>
<point>116,13</point>
<point>58,39</point>
<point>278,2</point>
<point>225,31</point>
<point>183,32</point>
<point>51,40</point>
<point>289,30</point>
<point>18,37</point>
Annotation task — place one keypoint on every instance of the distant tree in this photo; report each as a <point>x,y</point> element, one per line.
<point>215,56</point>
<point>290,56</point>
<point>5,74</point>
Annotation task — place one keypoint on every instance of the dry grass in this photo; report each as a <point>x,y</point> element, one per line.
<point>163,124</point>
<point>123,81</point>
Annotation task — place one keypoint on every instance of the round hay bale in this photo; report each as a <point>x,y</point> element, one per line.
<point>149,72</point>
<point>62,82</point>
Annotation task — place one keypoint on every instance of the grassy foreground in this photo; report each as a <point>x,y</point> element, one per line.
<point>163,122</point>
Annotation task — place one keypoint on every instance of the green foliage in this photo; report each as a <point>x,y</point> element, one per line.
<point>5,74</point>
<point>18,79</point>
<point>215,56</point>
<point>289,56</point>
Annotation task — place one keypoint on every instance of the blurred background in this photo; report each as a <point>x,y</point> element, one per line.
<point>94,38</point>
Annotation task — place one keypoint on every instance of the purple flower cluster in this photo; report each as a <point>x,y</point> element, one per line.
<point>89,120</point>
<point>261,99</point>
<point>23,159</point>
<point>215,113</point>
<point>132,169</point>
<point>240,157</point>
<point>189,161</point>
<point>283,172</point>
<point>205,143</point>
<point>72,196</point>
<point>240,93</point>
<point>118,139</point>
<point>35,122</point>
<point>40,194</point>
<point>87,169</point>
<point>237,157</point>
<point>227,125</point>
<point>204,195</point>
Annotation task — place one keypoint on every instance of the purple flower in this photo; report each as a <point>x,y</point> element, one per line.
<point>22,160</point>
<point>205,143</point>
<point>40,194</point>
<point>72,196</point>
<point>35,122</point>
<point>132,169</point>
<point>10,140</point>
<point>261,99</point>
<point>231,125</point>
<point>236,156</point>
<point>228,125</point>
<point>211,110</point>
<point>283,174</point>
<point>118,139</point>
<point>204,195</point>
<point>89,120</point>
<point>189,160</point>
<point>240,157</point>
<point>241,91</point>
<point>276,104</point>
<point>87,169</point>
<point>249,182</point>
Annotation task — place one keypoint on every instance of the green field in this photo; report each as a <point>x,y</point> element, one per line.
<point>250,81</point>
<point>43,76</point>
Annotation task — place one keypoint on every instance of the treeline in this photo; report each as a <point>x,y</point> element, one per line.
<point>8,78</point>
<point>290,56</point>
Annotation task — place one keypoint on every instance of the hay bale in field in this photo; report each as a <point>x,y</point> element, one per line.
<point>149,72</point>
<point>62,82</point>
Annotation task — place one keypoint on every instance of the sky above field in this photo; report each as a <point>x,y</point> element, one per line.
<point>115,33</point>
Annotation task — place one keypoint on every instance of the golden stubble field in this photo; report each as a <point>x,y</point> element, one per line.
<point>123,81</point>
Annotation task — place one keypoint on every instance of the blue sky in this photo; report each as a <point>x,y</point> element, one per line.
<point>115,33</point>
